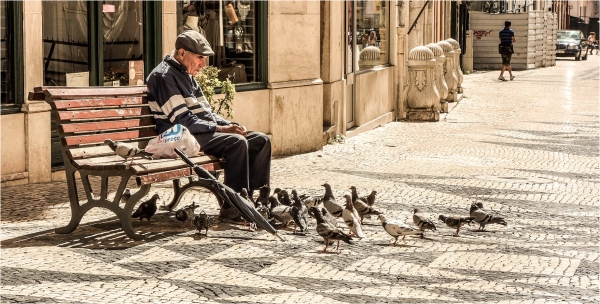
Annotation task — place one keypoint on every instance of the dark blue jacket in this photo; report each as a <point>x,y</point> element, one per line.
<point>506,35</point>
<point>175,97</point>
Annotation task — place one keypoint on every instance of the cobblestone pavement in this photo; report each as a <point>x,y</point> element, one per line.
<point>527,149</point>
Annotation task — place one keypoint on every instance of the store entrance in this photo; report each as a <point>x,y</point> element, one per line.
<point>351,64</point>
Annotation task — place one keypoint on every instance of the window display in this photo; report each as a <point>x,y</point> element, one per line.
<point>230,28</point>
<point>372,24</point>
<point>7,96</point>
<point>67,45</point>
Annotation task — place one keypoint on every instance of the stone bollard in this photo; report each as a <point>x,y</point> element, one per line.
<point>421,94</point>
<point>457,68</point>
<point>449,73</point>
<point>440,82</point>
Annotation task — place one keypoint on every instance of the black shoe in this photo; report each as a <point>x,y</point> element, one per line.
<point>230,215</point>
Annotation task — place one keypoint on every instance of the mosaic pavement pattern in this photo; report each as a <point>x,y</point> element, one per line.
<point>530,157</point>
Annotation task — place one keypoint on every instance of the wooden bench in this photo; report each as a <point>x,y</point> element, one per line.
<point>85,117</point>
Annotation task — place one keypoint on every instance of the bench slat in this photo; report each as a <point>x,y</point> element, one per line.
<point>140,165</point>
<point>95,102</point>
<point>105,125</point>
<point>104,114</point>
<point>72,93</point>
<point>99,138</point>
<point>97,151</point>
<point>158,177</point>
<point>170,163</point>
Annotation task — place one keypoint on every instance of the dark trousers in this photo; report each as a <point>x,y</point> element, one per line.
<point>247,159</point>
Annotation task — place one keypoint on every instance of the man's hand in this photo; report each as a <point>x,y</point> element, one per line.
<point>233,129</point>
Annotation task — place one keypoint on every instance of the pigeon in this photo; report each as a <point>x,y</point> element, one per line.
<point>422,223</point>
<point>455,222</point>
<point>277,193</point>
<point>355,195</point>
<point>244,194</point>
<point>397,229</point>
<point>329,232</point>
<point>186,213</point>
<point>202,221</point>
<point>299,213</point>
<point>371,198</point>
<point>146,209</point>
<point>310,201</point>
<point>126,150</point>
<point>483,218</point>
<point>285,198</point>
<point>280,212</point>
<point>263,197</point>
<point>264,211</point>
<point>329,202</point>
<point>364,209</point>
<point>351,218</point>
<point>250,202</point>
<point>328,217</point>
<point>126,195</point>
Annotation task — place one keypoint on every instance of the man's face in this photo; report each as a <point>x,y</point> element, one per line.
<point>192,62</point>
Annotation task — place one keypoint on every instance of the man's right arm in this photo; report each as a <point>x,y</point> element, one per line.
<point>167,102</point>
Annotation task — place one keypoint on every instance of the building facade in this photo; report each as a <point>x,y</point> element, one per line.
<point>313,70</point>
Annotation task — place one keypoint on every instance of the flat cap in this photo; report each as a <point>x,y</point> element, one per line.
<point>194,42</point>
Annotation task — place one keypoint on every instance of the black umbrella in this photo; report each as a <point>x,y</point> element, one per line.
<point>227,194</point>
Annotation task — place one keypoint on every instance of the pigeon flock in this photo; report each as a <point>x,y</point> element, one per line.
<point>281,210</point>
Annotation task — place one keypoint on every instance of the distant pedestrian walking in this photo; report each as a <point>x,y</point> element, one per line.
<point>592,43</point>
<point>505,48</point>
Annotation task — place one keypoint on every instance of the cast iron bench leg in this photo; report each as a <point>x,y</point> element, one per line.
<point>77,211</point>
<point>124,214</point>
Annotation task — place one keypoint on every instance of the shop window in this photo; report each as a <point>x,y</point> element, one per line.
<point>11,62</point>
<point>67,44</point>
<point>232,29</point>
<point>372,33</point>
<point>123,49</point>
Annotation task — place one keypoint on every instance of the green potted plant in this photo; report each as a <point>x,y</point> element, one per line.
<point>208,81</point>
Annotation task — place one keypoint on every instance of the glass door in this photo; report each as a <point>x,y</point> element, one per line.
<point>351,63</point>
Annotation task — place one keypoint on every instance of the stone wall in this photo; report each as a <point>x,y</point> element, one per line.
<point>531,34</point>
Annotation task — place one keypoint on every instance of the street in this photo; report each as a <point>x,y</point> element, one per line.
<point>527,149</point>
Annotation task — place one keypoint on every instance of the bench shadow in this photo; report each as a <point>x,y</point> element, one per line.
<point>107,234</point>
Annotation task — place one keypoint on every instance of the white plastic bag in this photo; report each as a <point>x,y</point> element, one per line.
<point>178,136</point>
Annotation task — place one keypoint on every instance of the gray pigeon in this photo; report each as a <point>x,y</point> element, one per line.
<point>310,201</point>
<point>285,198</point>
<point>263,197</point>
<point>146,209</point>
<point>299,213</point>
<point>455,222</point>
<point>371,198</point>
<point>126,195</point>
<point>355,195</point>
<point>244,194</point>
<point>364,209</point>
<point>423,223</point>
<point>126,150</point>
<point>396,228</point>
<point>329,202</point>
<point>186,213</point>
<point>202,221</point>
<point>280,212</point>
<point>351,218</point>
<point>329,232</point>
<point>328,217</point>
<point>483,218</point>
<point>277,193</point>
<point>265,212</point>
